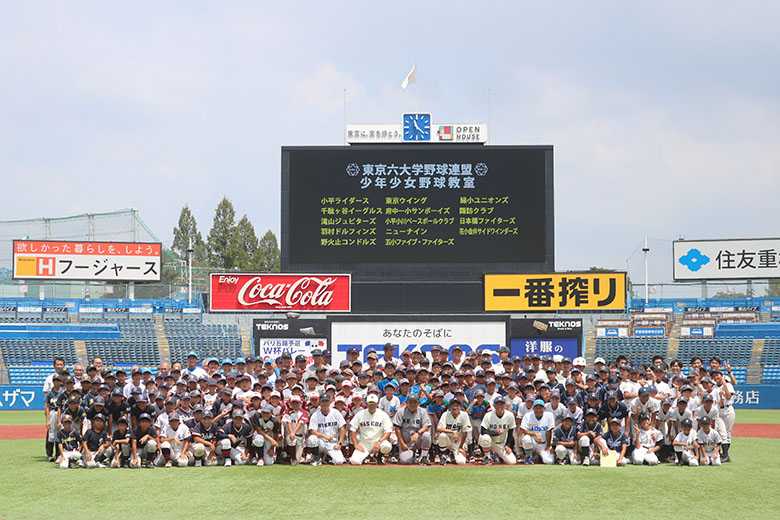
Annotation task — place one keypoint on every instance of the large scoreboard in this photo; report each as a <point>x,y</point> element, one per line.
<point>428,212</point>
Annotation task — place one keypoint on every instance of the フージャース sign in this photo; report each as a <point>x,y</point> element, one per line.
<point>98,261</point>
<point>551,292</point>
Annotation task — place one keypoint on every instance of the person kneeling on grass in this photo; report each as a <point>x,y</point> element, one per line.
<point>589,438</point>
<point>68,443</point>
<point>370,430</point>
<point>174,444</point>
<point>497,433</point>
<point>267,436</point>
<point>205,436</point>
<point>144,442</point>
<point>327,429</point>
<point>121,442</point>
<point>234,446</point>
<point>686,449</point>
<point>96,445</point>
<point>616,440</point>
<point>564,439</point>
<point>647,442</point>
<point>709,442</point>
<point>411,428</point>
<point>454,427</point>
<point>537,426</point>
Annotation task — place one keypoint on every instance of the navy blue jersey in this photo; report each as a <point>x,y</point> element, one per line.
<point>211,434</point>
<point>52,398</point>
<point>620,411</point>
<point>562,435</point>
<point>584,427</point>
<point>70,440</point>
<point>244,431</point>
<point>95,439</point>
<point>616,442</point>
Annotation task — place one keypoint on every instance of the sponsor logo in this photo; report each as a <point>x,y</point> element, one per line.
<point>694,260</point>
<point>308,290</point>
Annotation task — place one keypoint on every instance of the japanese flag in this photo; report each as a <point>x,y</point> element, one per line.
<point>410,78</point>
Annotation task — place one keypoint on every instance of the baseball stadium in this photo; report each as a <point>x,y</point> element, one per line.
<point>443,313</point>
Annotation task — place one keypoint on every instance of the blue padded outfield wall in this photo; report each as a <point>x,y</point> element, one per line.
<point>21,397</point>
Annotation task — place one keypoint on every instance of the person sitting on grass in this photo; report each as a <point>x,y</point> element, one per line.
<point>68,443</point>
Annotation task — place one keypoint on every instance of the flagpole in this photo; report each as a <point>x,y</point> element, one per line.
<point>488,132</point>
<point>345,117</point>
<point>416,90</point>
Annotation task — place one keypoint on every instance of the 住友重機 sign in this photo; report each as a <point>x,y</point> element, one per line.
<point>98,261</point>
<point>551,292</point>
<point>263,292</point>
<point>737,259</point>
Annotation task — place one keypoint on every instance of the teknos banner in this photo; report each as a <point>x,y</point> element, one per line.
<point>406,335</point>
<point>726,259</point>
<point>269,292</point>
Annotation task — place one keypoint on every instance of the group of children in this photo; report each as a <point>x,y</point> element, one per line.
<point>546,410</point>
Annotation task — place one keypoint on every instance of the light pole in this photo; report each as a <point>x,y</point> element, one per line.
<point>189,272</point>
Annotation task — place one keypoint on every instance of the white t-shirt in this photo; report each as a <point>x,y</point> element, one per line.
<point>539,424</point>
<point>492,421</point>
<point>461,423</point>
<point>370,427</point>
<point>327,424</point>
<point>556,413</point>
<point>389,406</point>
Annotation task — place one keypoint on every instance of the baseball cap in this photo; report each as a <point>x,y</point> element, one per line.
<point>705,420</point>
<point>643,416</point>
<point>99,401</point>
<point>579,361</point>
<point>323,397</point>
<point>539,402</point>
<point>237,413</point>
<point>142,399</point>
<point>591,411</point>
<point>570,382</point>
<point>66,418</point>
<point>567,415</point>
<point>555,393</point>
<point>644,391</point>
<point>144,416</point>
<point>687,422</point>
<point>614,420</point>
<point>173,417</point>
<point>123,419</point>
<point>500,399</point>
<point>412,397</point>
<point>666,400</point>
<point>99,416</point>
<point>682,400</point>
<point>372,398</point>
<point>708,397</point>
<point>612,394</point>
<point>208,413</point>
<point>192,353</point>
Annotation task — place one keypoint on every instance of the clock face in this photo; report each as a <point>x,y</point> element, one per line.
<point>417,127</point>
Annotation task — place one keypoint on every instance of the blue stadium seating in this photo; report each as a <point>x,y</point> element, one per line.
<point>736,350</point>
<point>137,341</point>
<point>186,334</point>
<point>22,351</point>
<point>771,354</point>
<point>639,351</point>
<point>771,375</point>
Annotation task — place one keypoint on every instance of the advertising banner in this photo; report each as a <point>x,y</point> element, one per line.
<point>649,331</point>
<point>272,348</point>
<point>700,331</point>
<point>407,335</point>
<point>552,292</point>
<point>765,397</point>
<point>568,347</point>
<point>91,261</point>
<point>21,397</point>
<point>732,259</point>
<point>269,292</point>
<point>611,332</point>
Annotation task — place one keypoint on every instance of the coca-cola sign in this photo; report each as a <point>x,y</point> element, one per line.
<point>268,292</point>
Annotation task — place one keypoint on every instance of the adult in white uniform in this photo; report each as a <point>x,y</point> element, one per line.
<point>370,430</point>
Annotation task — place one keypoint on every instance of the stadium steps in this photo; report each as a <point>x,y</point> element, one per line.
<point>673,346</point>
<point>764,317</point>
<point>246,341</point>
<point>4,379</point>
<point>755,370</point>
<point>590,345</point>
<point>81,351</point>
<point>163,347</point>
<point>73,317</point>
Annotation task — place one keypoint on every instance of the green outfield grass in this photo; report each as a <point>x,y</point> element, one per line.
<point>33,488</point>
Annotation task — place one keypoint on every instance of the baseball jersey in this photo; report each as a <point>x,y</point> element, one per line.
<point>649,438</point>
<point>686,439</point>
<point>562,435</point>
<point>709,441</point>
<point>650,407</point>
<point>78,414</point>
<point>576,416</point>
<point>676,416</point>
<point>606,412</point>
<point>389,406</point>
<point>53,398</point>
<point>410,422</point>
<point>596,428</point>
<point>117,410</point>
<point>327,424</point>
<point>461,423</point>
<point>210,434</point>
<point>271,427</point>
<point>241,433</point>
<point>523,410</point>
<point>70,440</point>
<point>95,439</point>
<point>479,409</point>
<point>437,410</point>
<point>513,404</point>
<point>615,442</point>
<point>712,414</point>
<point>139,432</point>
<point>492,422</point>
<point>119,436</point>
<point>371,427</point>
<point>292,418</point>
<point>557,413</point>
<point>92,412</point>
<point>181,434</point>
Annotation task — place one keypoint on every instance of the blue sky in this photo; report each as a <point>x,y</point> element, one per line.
<point>665,118</point>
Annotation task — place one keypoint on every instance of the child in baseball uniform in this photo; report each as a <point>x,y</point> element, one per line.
<point>51,409</point>
<point>327,429</point>
<point>686,448</point>
<point>647,441</point>
<point>616,440</point>
<point>496,432</point>
<point>175,444</point>
<point>589,439</point>
<point>68,443</point>
<point>234,446</point>
<point>267,435</point>
<point>709,442</point>
<point>294,425</point>
<point>121,443</point>
<point>453,428</point>
<point>97,446</point>
<point>666,453</point>
<point>564,440</point>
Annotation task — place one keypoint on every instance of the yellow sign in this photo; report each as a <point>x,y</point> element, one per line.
<point>552,292</point>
